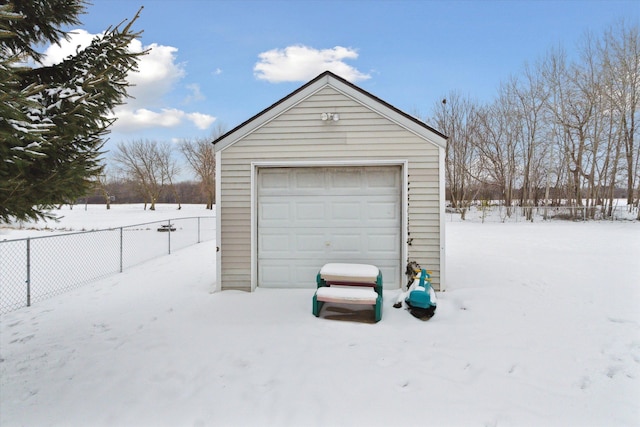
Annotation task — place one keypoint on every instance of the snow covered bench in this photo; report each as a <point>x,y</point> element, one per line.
<point>349,284</point>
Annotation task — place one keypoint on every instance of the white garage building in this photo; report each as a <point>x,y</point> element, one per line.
<point>330,173</point>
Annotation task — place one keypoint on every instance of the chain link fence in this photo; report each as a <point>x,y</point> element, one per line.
<point>37,268</point>
<point>498,213</point>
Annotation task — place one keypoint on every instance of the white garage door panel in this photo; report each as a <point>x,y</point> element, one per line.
<point>310,216</point>
<point>383,211</point>
<point>273,212</point>
<point>309,211</point>
<point>275,275</point>
<point>383,244</point>
<point>348,243</point>
<point>309,179</point>
<point>275,245</point>
<point>285,274</point>
<point>310,243</point>
<point>275,180</point>
<point>344,211</point>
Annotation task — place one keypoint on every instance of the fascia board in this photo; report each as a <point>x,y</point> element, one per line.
<point>390,114</point>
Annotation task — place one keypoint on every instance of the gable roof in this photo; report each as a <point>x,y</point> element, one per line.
<point>328,78</point>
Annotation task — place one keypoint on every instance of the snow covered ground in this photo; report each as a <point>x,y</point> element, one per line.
<point>539,326</point>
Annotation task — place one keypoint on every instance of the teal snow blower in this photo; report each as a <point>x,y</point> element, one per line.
<point>422,300</point>
<point>420,297</point>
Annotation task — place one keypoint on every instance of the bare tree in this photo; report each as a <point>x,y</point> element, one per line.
<point>497,148</point>
<point>457,118</point>
<point>200,156</point>
<point>574,95</point>
<point>169,168</point>
<point>102,184</point>
<point>620,53</point>
<point>149,165</point>
<point>529,96</point>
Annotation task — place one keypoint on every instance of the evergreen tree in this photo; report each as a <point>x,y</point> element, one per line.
<point>53,120</point>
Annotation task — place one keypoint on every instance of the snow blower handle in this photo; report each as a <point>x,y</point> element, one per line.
<point>425,276</point>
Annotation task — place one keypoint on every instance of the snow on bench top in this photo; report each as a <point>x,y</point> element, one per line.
<point>349,272</point>
<point>346,294</point>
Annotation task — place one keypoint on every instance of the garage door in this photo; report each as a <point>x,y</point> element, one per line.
<point>310,216</point>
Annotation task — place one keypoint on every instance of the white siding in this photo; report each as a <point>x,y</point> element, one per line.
<point>298,134</point>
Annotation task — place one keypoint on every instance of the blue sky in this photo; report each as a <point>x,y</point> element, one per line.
<point>217,63</point>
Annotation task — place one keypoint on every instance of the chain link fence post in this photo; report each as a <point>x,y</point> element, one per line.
<point>28,272</point>
<point>121,251</point>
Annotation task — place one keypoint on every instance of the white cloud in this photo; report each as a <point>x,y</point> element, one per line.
<point>157,75</point>
<point>131,120</point>
<point>195,95</point>
<point>302,63</point>
<point>56,53</point>
<point>202,121</point>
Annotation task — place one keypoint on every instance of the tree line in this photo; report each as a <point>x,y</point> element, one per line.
<point>123,191</point>
<point>562,131</point>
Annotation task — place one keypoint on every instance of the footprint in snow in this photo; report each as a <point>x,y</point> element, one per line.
<point>101,327</point>
<point>23,340</point>
<point>613,370</point>
<point>620,320</point>
<point>584,383</point>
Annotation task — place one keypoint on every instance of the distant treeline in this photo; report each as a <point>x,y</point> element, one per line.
<point>189,192</point>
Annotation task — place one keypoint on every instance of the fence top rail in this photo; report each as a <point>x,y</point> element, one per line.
<point>71,233</point>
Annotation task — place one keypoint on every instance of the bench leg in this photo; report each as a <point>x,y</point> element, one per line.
<point>317,306</point>
<point>378,309</point>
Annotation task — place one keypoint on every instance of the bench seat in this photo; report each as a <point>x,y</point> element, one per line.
<point>357,273</point>
<point>347,295</point>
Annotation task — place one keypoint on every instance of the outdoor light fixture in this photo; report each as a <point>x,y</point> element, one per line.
<point>330,117</point>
